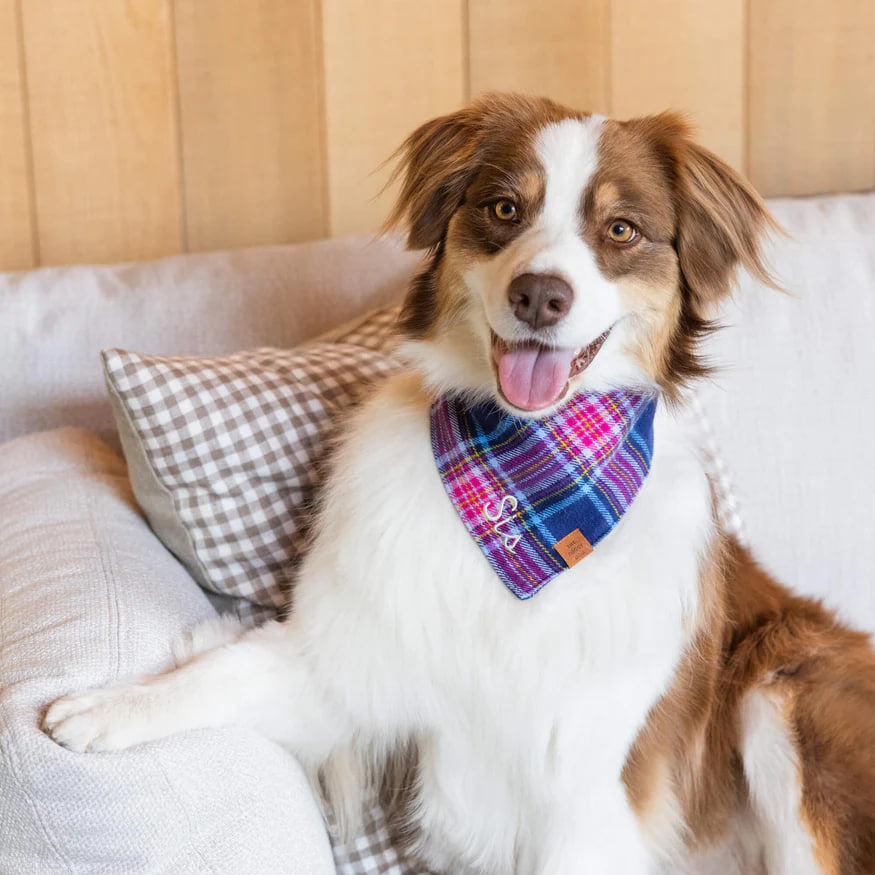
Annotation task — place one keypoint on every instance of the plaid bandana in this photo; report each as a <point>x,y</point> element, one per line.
<point>538,495</point>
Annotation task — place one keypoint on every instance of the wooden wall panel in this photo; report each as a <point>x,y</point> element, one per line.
<point>812,95</point>
<point>685,55</point>
<point>16,209</point>
<point>250,116</point>
<point>560,50</point>
<point>389,65</point>
<point>102,114</point>
<point>136,128</point>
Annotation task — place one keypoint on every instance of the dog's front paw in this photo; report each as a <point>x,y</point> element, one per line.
<point>96,720</point>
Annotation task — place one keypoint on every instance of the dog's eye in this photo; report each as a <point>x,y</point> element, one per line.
<point>621,231</point>
<point>504,210</point>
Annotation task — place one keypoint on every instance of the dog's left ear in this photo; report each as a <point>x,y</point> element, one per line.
<point>721,220</point>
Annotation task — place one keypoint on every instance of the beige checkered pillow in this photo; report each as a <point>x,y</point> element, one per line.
<point>224,452</point>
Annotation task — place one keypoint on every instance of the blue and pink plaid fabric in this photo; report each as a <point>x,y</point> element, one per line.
<point>523,486</point>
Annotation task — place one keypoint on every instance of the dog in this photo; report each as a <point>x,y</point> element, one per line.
<point>661,704</point>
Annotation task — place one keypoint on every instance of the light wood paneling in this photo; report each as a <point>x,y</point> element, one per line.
<point>136,128</point>
<point>250,106</point>
<point>812,95</point>
<point>101,97</point>
<point>389,65</point>
<point>685,55</point>
<point>559,49</point>
<point>16,210</point>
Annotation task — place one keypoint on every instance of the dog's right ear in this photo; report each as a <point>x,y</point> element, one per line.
<point>436,164</point>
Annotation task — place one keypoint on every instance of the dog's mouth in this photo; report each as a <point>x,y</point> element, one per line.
<point>532,376</point>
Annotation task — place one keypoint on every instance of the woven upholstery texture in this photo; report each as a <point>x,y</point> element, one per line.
<point>89,596</point>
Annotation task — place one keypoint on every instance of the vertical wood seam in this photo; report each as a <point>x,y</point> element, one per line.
<point>466,50</point>
<point>27,136</point>
<point>177,118</point>
<point>318,37</point>
<point>608,97</point>
<point>745,89</point>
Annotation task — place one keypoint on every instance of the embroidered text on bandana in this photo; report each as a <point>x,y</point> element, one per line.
<point>538,495</point>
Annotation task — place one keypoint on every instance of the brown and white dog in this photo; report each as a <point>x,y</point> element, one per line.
<point>661,706</point>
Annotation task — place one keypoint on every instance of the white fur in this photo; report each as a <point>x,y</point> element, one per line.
<point>524,711</point>
<point>771,765</point>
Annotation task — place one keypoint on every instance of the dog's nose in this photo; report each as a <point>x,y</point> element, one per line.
<point>538,299</point>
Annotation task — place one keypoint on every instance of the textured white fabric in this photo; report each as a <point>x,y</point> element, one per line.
<point>55,321</point>
<point>792,404</point>
<point>89,595</point>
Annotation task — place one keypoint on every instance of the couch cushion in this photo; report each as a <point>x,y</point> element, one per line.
<point>88,595</point>
<point>56,320</point>
<point>792,406</point>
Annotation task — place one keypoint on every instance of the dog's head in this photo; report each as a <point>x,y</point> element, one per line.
<point>569,251</point>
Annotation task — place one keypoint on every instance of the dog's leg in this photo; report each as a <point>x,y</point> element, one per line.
<point>261,680</point>
<point>772,769</point>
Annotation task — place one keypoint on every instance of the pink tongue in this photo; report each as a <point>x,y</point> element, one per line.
<point>533,377</point>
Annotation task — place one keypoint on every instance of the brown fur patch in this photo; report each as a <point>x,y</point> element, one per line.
<point>720,219</point>
<point>755,632</point>
<point>420,310</point>
<point>698,220</point>
<point>520,181</point>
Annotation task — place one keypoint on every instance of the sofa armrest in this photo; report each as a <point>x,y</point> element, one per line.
<point>89,595</point>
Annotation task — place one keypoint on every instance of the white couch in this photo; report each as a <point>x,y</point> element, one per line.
<point>88,594</point>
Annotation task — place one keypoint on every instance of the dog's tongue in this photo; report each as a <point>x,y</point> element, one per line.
<point>534,377</point>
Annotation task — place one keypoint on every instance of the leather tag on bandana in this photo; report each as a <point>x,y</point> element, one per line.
<point>573,547</point>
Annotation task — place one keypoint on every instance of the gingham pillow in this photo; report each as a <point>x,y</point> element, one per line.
<point>224,453</point>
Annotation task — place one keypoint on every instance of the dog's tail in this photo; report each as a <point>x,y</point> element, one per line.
<point>361,783</point>
<point>346,782</point>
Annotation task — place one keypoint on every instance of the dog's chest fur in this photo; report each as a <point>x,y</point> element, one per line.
<point>551,691</point>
